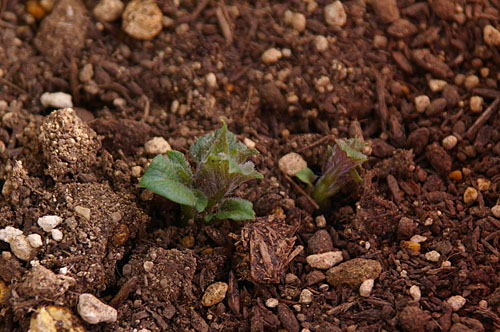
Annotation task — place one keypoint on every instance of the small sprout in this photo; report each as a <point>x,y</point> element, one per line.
<point>221,166</point>
<point>340,169</point>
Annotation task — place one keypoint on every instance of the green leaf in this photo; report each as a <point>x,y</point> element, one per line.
<point>201,200</point>
<point>177,158</point>
<point>306,175</point>
<point>353,148</point>
<point>235,209</point>
<point>166,178</point>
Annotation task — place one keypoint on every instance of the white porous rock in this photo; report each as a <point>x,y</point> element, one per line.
<point>157,145</point>
<point>418,238</point>
<point>437,85</point>
<point>93,311</point>
<point>47,223</point>
<point>324,260</point>
<point>476,104</point>
<point>142,19</point>
<point>291,163</point>
<point>21,247</point>
<point>8,233</point>
<point>35,240</point>
<point>320,43</point>
<point>449,142</point>
<point>57,235</point>
<point>491,35</point>
<point>456,302</point>
<point>272,302</point>
<point>56,100</point>
<point>306,296</point>
<point>296,20</point>
<point>335,14</point>
<point>432,256</point>
<point>108,10</point>
<point>271,55</point>
<point>421,103</point>
<point>415,293</point>
<point>366,287</point>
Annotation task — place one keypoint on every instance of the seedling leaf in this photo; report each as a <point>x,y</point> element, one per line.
<point>306,175</point>
<point>235,209</point>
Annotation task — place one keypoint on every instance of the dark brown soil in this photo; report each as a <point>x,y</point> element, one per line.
<point>129,247</point>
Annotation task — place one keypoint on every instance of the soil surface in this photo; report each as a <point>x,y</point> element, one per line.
<point>417,80</point>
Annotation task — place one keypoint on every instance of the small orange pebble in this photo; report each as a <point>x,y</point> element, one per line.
<point>34,8</point>
<point>207,251</point>
<point>405,89</point>
<point>455,175</point>
<point>412,245</point>
<point>229,87</point>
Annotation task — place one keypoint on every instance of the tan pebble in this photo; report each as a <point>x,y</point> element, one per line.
<point>306,296</point>
<point>335,14</point>
<point>380,41</point>
<point>108,10</point>
<point>83,212</point>
<point>483,184</point>
<point>320,43</point>
<point>421,103</point>
<point>142,19</point>
<point>471,81</point>
<point>449,142</point>
<point>456,302</point>
<point>437,85</point>
<point>271,55</point>
<point>491,35</point>
<point>157,145</point>
<point>291,163</point>
<point>476,104</point>
<point>432,256</point>
<point>324,260</point>
<point>272,302</point>
<point>214,294</point>
<point>415,293</point>
<point>496,211</point>
<point>188,241</point>
<point>470,195</point>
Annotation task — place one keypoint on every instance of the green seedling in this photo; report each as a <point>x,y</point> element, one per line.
<point>221,166</point>
<point>340,169</point>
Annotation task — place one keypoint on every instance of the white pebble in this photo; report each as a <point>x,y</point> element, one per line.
<point>476,104</point>
<point>456,302</point>
<point>35,240</point>
<point>56,100</point>
<point>366,287</point>
<point>324,260</point>
<point>271,55</point>
<point>432,256</point>
<point>471,81</point>
<point>415,293</point>
<point>21,247</point>
<point>286,52</point>
<point>421,103</point>
<point>157,145</point>
<point>56,234</point>
<point>93,311</point>
<point>496,211</point>
<point>47,223</point>
<point>211,80</point>
<point>108,10</point>
<point>446,264</point>
<point>437,85</point>
<point>8,233</point>
<point>320,43</point>
<point>306,296</point>
<point>291,163</point>
<point>320,221</point>
<point>335,14</point>
<point>148,266</point>
<point>491,35</point>
<point>136,171</point>
<point>272,302</point>
<point>418,238</point>
<point>449,142</point>
<point>483,304</point>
